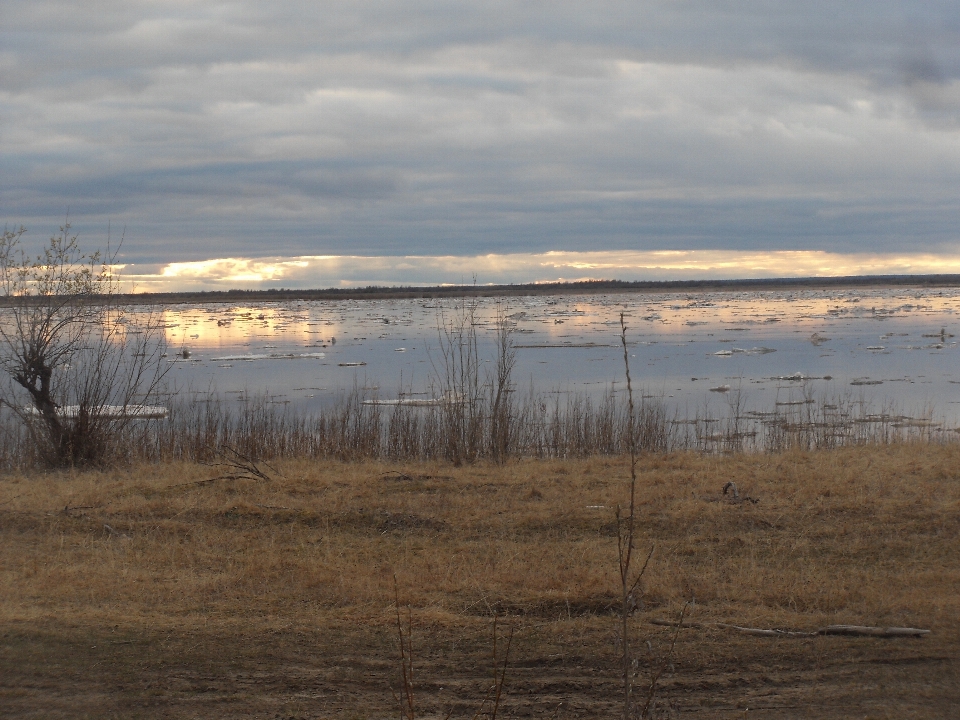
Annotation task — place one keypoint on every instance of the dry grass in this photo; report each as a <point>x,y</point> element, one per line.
<point>149,592</point>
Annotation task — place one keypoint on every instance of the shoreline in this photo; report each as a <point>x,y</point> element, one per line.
<point>592,287</point>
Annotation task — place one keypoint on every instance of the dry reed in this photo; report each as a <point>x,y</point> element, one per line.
<point>501,426</point>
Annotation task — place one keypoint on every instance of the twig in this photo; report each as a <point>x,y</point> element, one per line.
<point>67,509</point>
<point>636,582</point>
<point>245,468</point>
<point>503,672</point>
<point>406,703</point>
<point>499,675</point>
<point>625,540</point>
<point>626,533</point>
<point>652,690</point>
<point>13,498</point>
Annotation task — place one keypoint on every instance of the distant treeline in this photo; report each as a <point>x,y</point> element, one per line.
<point>585,287</point>
<point>556,288</point>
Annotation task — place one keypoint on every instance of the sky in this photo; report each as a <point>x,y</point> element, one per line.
<point>305,144</point>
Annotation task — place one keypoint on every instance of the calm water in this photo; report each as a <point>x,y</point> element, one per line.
<point>892,347</point>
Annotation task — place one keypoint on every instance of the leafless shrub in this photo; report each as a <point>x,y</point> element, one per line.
<point>456,365</point>
<point>405,697</point>
<point>237,466</point>
<point>81,371</point>
<point>502,416</point>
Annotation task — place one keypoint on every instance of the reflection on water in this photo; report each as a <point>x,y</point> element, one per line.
<point>700,352</point>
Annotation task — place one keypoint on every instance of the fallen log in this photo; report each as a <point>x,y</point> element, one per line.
<point>872,631</point>
<point>850,630</point>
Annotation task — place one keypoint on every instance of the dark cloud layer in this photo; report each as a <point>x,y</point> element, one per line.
<point>403,128</point>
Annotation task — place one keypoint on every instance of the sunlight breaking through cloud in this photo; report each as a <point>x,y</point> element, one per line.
<point>322,271</point>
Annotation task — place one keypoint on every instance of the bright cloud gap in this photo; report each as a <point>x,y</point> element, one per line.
<point>320,271</point>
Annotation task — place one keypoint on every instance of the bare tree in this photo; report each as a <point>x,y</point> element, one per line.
<point>81,370</point>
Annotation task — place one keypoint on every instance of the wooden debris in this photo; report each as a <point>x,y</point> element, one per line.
<point>731,495</point>
<point>854,630</point>
<point>872,631</point>
<point>78,508</point>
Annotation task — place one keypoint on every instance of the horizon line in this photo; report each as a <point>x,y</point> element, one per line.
<point>558,287</point>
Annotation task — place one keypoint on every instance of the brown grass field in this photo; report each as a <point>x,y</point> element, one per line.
<point>148,593</point>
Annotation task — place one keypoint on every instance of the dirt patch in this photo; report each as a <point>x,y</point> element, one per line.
<point>347,672</point>
<point>275,600</point>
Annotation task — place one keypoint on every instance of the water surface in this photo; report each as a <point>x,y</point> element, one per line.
<point>699,352</point>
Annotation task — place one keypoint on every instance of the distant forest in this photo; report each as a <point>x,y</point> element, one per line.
<point>556,288</point>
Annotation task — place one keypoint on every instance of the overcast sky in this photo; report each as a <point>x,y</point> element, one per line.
<point>277,130</point>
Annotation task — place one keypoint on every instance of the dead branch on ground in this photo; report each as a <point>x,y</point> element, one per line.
<point>849,630</point>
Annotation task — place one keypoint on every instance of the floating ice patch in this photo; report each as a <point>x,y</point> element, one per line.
<point>753,351</point>
<point>110,412</point>
<point>544,346</point>
<point>271,356</point>
<point>408,402</point>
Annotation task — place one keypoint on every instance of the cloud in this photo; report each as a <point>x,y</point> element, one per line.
<point>433,128</point>
<point>360,271</point>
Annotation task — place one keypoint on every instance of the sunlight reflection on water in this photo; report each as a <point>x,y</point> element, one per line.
<point>894,347</point>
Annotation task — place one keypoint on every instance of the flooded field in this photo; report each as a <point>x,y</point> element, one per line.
<point>703,354</point>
